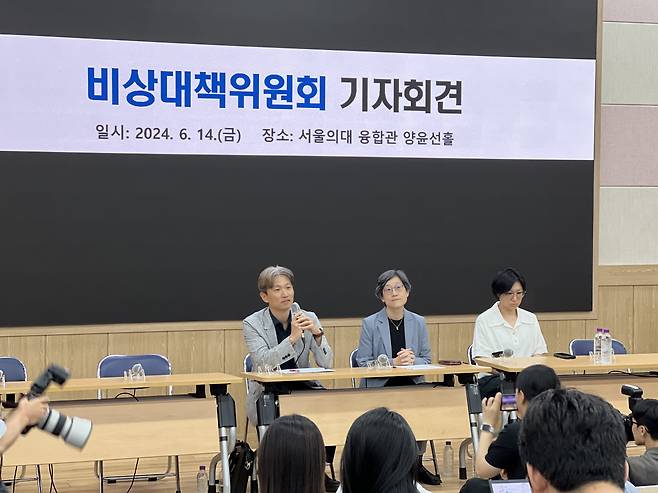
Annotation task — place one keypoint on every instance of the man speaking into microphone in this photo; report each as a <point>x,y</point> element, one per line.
<point>283,335</point>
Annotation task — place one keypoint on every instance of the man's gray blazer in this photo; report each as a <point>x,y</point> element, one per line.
<point>375,339</point>
<point>265,349</point>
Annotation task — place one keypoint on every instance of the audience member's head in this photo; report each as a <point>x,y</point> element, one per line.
<point>380,454</point>
<point>291,457</point>
<point>645,421</point>
<point>531,382</point>
<point>571,440</point>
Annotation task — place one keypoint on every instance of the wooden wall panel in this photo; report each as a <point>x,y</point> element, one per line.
<point>454,340</point>
<point>330,334</point>
<point>234,352</point>
<point>558,334</point>
<point>433,334</point>
<point>80,354</point>
<point>346,339</point>
<point>196,352</point>
<point>645,305</point>
<point>615,313</point>
<point>31,350</point>
<point>628,275</point>
<point>139,343</point>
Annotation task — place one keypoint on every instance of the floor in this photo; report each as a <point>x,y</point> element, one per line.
<point>79,478</point>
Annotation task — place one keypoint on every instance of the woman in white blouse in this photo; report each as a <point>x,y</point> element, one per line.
<point>506,327</point>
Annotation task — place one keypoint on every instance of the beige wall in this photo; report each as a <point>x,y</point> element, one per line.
<point>628,207</point>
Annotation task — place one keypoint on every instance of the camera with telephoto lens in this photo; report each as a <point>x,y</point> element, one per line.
<point>73,430</point>
<point>634,394</point>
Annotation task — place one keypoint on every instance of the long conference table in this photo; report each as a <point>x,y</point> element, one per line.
<point>192,424</point>
<point>129,428</point>
<point>604,380</point>
<point>433,410</point>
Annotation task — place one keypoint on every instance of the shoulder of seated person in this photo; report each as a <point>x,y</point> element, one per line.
<point>370,318</point>
<point>415,316</point>
<point>526,316</point>
<point>254,317</point>
<point>491,312</point>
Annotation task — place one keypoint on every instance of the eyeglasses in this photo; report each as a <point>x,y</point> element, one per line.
<point>518,294</point>
<point>393,289</point>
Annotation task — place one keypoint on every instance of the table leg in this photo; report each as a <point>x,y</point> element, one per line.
<point>223,448</point>
<point>177,464</point>
<point>227,426</point>
<point>474,405</point>
<point>101,480</point>
<point>39,479</point>
<point>267,408</point>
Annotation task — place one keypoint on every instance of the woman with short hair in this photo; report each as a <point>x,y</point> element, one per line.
<point>401,337</point>
<point>506,327</point>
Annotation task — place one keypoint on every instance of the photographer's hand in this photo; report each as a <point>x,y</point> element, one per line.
<point>28,412</point>
<point>33,409</point>
<point>491,413</point>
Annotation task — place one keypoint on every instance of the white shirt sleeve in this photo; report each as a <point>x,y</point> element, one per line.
<point>540,343</point>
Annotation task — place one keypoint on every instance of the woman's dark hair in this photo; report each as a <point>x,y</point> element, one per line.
<point>380,454</point>
<point>504,281</point>
<point>291,457</point>
<point>384,277</point>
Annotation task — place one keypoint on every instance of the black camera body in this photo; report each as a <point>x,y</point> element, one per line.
<point>53,373</point>
<point>634,394</point>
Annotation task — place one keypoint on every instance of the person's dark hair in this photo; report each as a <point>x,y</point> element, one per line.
<point>291,457</point>
<point>380,454</point>
<point>645,413</point>
<point>384,277</point>
<point>572,438</point>
<point>504,280</point>
<point>536,379</point>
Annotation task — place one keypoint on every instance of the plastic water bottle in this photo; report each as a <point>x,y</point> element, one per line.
<point>448,460</point>
<point>606,347</point>
<point>598,337</point>
<point>202,480</point>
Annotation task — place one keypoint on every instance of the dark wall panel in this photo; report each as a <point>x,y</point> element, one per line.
<point>116,238</point>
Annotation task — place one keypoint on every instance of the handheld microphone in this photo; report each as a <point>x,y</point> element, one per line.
<point>295,309</point>
<point>505,353</point>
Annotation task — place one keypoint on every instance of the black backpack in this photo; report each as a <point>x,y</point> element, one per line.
<point>241,467</point>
